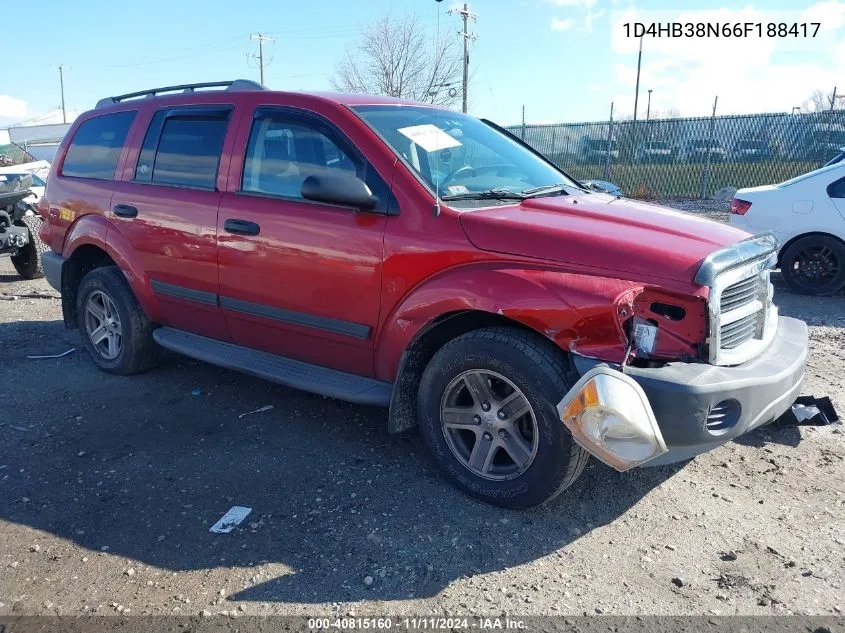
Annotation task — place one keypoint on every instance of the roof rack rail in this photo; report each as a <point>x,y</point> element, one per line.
<point>241,85</point>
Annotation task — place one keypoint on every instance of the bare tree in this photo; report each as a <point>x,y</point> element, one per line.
<point>397,58</point>
<point>819,101</point>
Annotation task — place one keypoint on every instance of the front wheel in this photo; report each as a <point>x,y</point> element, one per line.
<point>487,412</point>
<point>814,265</point>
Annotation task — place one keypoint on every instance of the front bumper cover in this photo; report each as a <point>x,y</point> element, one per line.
<point>682,395</point>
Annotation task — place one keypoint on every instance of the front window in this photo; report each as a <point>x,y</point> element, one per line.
<point>459,155</point>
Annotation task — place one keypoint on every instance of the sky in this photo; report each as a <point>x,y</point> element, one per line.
<point>562,60</point>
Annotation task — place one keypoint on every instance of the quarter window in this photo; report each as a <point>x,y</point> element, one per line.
<point>836,189</point>
<point>95,148</point>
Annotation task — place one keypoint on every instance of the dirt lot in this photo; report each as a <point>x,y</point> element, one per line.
<point>108,487</point>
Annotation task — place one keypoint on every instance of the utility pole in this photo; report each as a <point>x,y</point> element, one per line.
<point>261,39</point>
<point>705,172</point>
<point>466,15</point>
<point>637,89</point>
<point>523,123</point>
<point>62,69</point>
<point>648,107</point>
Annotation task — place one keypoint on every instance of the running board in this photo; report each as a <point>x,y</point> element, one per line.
<point>285,371</point>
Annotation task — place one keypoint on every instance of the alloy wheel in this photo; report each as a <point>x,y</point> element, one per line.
<point>489,425</point>
<point>102,324</point>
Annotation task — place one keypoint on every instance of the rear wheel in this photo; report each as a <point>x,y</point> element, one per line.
<point>814,265</point>
<point>27,261</point>
<point>115,331</point>
<point>487,411</point>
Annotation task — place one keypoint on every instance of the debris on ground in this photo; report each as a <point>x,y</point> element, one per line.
<point>809,411</point>
<point>267,407</point>
<point>45,356</point>
<point>230,520</point>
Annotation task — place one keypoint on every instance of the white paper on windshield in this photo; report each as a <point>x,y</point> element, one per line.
<point>430,137</point>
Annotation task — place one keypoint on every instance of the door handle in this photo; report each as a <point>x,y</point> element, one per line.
<point>241,227</point>
<point>125,211</point>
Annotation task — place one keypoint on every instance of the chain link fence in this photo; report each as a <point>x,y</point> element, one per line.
<point>691,157</point>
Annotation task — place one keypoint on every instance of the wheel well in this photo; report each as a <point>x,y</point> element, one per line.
<point>83,260</point>
<point>403,406</point>
<point>801,237</point>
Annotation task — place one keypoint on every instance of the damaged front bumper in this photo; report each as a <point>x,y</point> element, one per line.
<point>698,407</point>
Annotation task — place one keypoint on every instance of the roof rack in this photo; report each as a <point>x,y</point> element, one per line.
<point>240,85</point>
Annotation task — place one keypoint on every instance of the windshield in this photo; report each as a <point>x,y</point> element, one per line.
<point>595,145</point>
<point>459,155</point>
<point>704,144</point>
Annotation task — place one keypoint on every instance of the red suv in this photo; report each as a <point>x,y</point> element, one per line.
<point>397,254</point>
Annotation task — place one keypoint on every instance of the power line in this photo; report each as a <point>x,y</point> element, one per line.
<point>466,16</point>
<point>261,39</point>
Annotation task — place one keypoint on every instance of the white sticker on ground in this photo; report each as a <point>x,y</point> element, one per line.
<point>230,520</point>
<point>430,137</point>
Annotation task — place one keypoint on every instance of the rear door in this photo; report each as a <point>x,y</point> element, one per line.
<point>300,278</point>
<point>167,211</point>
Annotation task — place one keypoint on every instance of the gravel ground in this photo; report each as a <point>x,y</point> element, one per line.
<point>108,487</point>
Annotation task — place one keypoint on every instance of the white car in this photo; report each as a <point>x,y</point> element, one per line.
<point>807,215</point>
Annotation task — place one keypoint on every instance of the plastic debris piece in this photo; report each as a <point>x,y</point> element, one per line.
<point>261,410</point>
<point>230,520</point>
<point>196,392</point>
<point>71,350</point>
<point>809,411</point>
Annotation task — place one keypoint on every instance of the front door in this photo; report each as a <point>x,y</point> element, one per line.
<point>299,278</point>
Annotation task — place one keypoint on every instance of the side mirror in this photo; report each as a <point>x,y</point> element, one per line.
<point>339,188</point>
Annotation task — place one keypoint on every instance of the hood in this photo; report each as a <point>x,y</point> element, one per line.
<point>635,239</point>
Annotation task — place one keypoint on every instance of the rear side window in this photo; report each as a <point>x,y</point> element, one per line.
<point>183,149</point>
<point>836,189</point>
<point>95,148</point>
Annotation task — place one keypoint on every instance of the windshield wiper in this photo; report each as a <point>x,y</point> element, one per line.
<point>541,191</point>
<point>489,194</point>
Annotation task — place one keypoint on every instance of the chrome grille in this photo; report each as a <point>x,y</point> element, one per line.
<point>743,319</point>
<point>740,293</point>
<point>735,334</point>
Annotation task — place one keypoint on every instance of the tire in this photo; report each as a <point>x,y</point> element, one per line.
<point>822,256</point>
<point>134,351</point>
<point>27,261</point>
<point>525,362</point>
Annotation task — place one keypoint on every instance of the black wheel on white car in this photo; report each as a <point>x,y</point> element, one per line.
<point>488,413</point>
<point>814,265</point>
<point>115,331</point>
<point>27,261</point>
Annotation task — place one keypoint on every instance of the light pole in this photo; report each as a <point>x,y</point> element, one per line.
<point>648,107</point>
<point>794,108</point>
<point>637,89</point>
